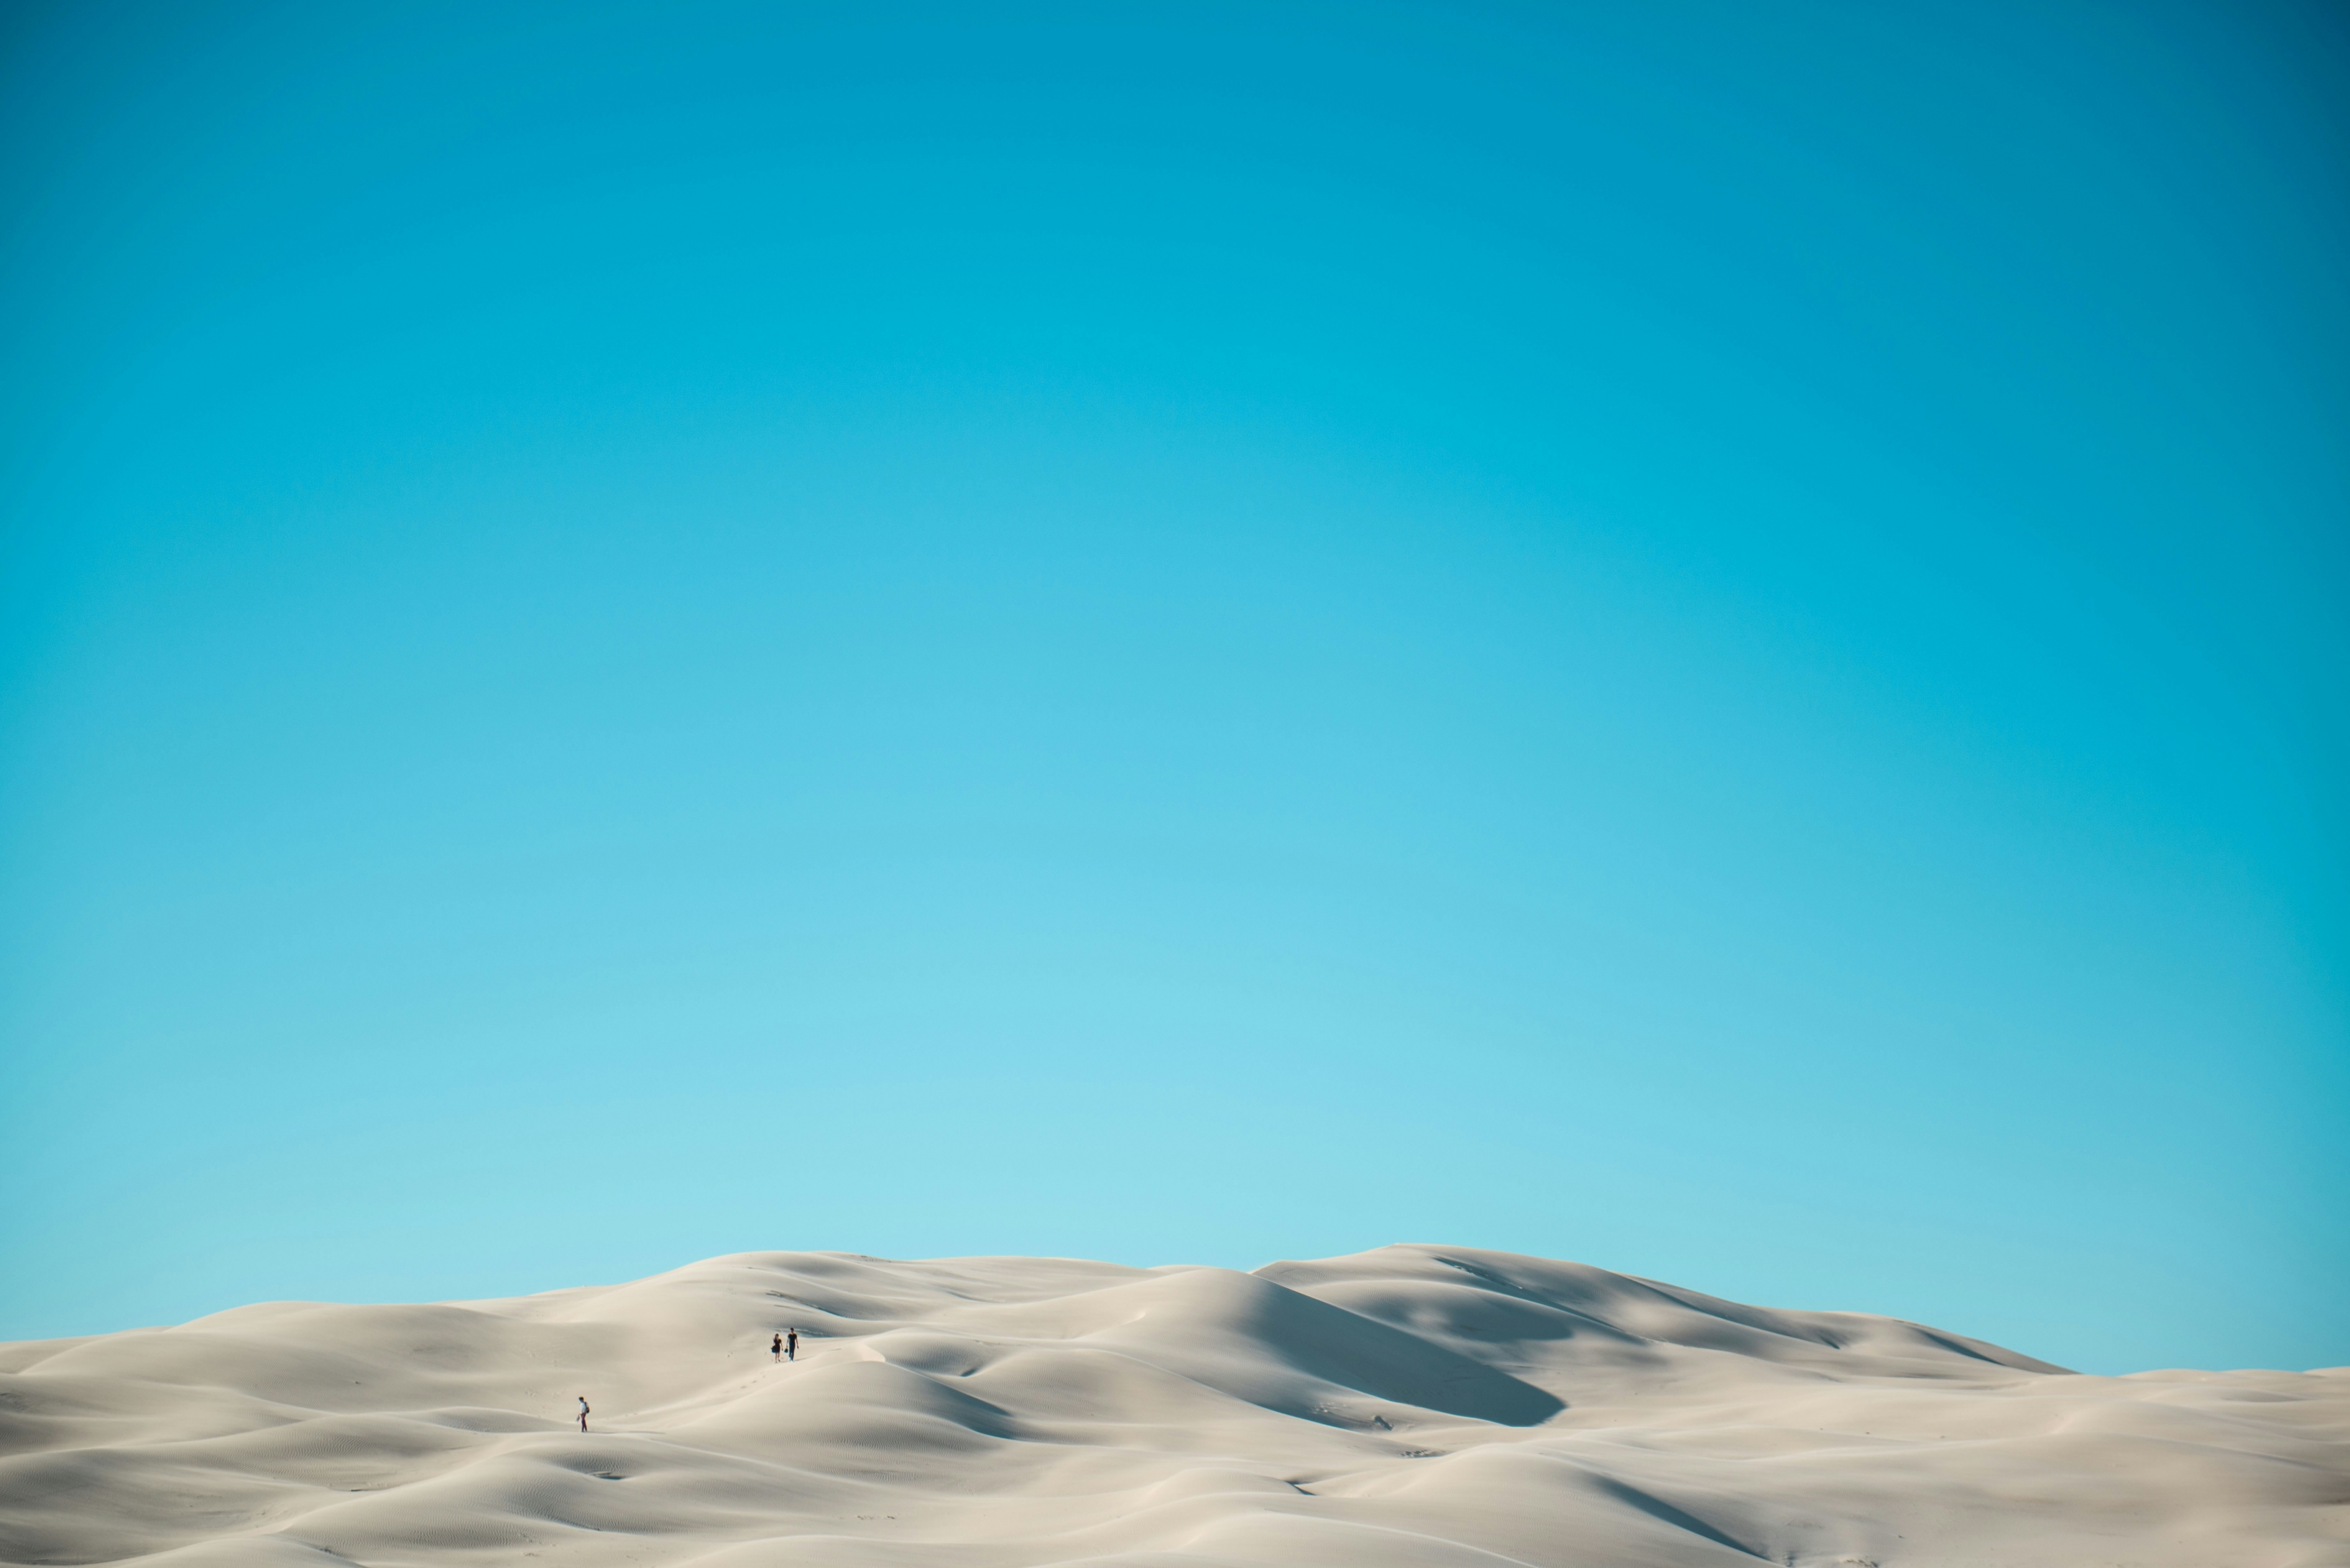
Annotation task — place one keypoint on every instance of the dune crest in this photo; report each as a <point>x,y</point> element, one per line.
<point>1414,1405</point>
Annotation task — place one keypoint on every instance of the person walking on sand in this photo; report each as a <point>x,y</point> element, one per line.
<point>777,1348</point>
<point>583,1412</point>
<point>792,1345</point>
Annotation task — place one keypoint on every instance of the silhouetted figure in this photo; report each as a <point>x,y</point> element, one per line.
<point>778,1347</point>
<point>792,1345</point>
<point>583,1412</point>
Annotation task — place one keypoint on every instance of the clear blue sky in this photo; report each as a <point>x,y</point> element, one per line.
<point>1703,637</point>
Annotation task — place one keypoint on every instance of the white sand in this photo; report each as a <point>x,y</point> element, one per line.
<point>1425,1405</point>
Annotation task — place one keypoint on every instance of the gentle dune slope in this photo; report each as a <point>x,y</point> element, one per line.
<point>1424,1406</point>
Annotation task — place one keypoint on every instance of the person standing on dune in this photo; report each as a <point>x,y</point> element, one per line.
<point>583,1412</point>
<point>777,1348</point>
<point>792,1345</point>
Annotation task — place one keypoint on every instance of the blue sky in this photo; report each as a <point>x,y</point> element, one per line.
<point>1700,636</point>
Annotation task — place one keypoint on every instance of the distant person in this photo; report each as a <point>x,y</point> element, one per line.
<point>583,1412</point>
<point>792,1345</point>
<point>778,1347</point>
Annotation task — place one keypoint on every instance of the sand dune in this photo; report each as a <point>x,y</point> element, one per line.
<point>1416,1405</point>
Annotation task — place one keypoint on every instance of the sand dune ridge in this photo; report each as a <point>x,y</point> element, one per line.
<point>1421,1405</point>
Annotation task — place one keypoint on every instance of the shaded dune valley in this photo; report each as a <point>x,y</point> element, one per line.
<point>1415,1404</point>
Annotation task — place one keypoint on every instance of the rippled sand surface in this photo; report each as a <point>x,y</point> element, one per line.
<point>1418,1406</point>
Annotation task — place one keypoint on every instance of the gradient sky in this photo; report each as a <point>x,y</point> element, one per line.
<point>1708,637</point>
